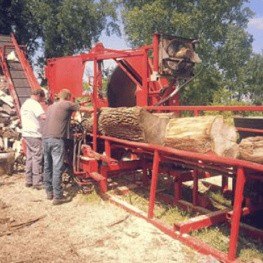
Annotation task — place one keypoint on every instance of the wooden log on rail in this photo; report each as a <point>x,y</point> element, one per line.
<point>251,149</point>
<point>132,123</point>
<point>204,134</point>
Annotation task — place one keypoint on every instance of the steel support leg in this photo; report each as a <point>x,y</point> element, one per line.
<point>177,189</point>
<point>195,187</point>
<point>224,185</point>
<point>156,162</point>
<point>237,210</point>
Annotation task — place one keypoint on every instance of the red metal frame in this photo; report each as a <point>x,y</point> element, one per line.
<point>240,169</point>
<point>147,95</point>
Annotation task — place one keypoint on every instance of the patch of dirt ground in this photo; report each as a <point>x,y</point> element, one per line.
<point>33,230</point>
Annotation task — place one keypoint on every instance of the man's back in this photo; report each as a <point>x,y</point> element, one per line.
<point>30,112</point>
<point>58,119</point>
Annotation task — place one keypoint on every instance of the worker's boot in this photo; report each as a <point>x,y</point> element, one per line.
<point>62,200</point>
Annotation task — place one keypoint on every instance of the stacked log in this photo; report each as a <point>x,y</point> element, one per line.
<point>251,149</point>
<point>10,130</point>
<point>204,134</point>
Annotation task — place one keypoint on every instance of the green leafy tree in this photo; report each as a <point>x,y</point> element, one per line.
<point>16,18</point>
<point>58,27</point>
<point>220,26</point>
<point>5,23</point>
<point>254,79</point>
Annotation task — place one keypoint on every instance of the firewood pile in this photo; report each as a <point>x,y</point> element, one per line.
<point>10,130</point>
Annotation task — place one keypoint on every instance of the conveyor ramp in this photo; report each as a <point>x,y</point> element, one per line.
<point>17,71</point>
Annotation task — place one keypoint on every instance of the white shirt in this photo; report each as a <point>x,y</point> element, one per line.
<point>30,112</point>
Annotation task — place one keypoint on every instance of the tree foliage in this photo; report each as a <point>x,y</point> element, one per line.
<point>254,79</point>
<point>59,27</point>
<point>220,26</point>
<point>67,27</point>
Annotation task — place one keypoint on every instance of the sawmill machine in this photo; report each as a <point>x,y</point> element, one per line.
<point>146,76</point>
<point>150,77</point>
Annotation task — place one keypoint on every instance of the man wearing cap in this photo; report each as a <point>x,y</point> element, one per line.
<point>56,130</point>
<point>32,114</point>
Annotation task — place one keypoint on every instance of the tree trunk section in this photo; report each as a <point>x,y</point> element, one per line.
<point>251,149</point>
<point>134,124</point>
<point>205,134</point>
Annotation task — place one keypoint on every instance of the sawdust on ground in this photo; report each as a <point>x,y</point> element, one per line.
<point>33,230</point>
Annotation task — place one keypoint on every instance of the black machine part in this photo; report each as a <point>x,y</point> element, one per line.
<point>121,90</point>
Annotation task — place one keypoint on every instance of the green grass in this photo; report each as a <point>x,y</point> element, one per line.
<point>92,198</point>
<point>216,236</point>
<point>219,236</point>
<point>218,200</point>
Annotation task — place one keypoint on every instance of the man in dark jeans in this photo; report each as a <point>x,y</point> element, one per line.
<point>56,130</point>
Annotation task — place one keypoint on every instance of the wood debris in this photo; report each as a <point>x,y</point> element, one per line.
<point>24,224</point>
<point>10,130</point>
<point>119,221</point>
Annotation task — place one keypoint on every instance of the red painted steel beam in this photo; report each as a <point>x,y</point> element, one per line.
<point>155,170</point>
<point>177,190</point>
<point>113,54</point>
<point>156,52</point>
<point>95,105</point>
<point>249,130</point>
<point>205,108</point>
<point>195,187</point>
<point>201,221</point>
<point>244,211</point>
<point>125,165</point>
<point>88,152</point>
<point>185,155</point>
<point>237,212</point>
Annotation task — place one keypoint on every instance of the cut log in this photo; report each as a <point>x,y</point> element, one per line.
<point>7,109</point>
<point>134,124</point>
<point>6,99</point>
<point>205,134</point>
<point>251,149</point>
<point>87,123</point>
<point>10,132</point>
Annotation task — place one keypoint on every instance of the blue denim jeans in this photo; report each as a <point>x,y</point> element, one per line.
<point>54,152</point>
